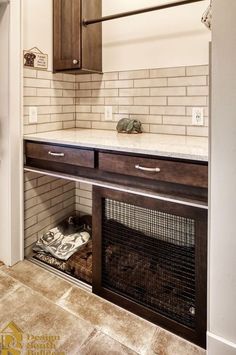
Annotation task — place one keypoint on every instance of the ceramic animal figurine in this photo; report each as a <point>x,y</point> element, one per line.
<point>127,125</point>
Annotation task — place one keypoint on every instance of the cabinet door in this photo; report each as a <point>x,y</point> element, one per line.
<point>67,34</point>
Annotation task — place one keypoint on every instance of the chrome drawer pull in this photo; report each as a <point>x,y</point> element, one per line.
<point>56,154</point>
<point>152,170</point>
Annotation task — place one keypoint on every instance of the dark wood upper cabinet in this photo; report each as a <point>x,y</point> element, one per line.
<point>77,48</point>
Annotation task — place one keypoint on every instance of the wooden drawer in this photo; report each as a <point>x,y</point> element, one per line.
<point>191,174</point>
<point>60,154</point>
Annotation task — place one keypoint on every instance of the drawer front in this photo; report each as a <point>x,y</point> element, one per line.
<point>52,153</point>
<point>156,169</point>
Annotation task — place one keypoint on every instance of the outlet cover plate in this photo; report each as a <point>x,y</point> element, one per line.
<point>198,116</point>
<point>33,115</point>
<point>108,113</point>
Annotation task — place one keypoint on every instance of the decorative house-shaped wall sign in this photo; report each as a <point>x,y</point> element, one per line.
<point>34,58</point>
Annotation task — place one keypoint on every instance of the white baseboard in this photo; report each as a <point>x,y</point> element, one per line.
<point>219,346</point>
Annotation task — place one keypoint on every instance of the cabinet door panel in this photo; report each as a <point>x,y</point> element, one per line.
<point>67,43</point>
<point>92,37</point>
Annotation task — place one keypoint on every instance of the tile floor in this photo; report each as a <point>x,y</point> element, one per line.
<point>41,303</point>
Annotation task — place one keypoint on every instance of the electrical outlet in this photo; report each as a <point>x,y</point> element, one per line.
<point>108,113</point>
<point>33,115</point>
<point>197,116</point>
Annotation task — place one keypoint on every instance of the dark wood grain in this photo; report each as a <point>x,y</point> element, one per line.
<point>170,171</point>
<point>197,335</point>
<point>66,34</point>
<point>185,180</point>
<point>73,41</point>
<point>74,156</point>
<point>92,37</point>
<point>173,189</point>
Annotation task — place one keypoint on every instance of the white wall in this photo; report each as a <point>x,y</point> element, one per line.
<point>37,26</point>
<point>11,247</point>
<point>172,37</point>
<point>165,38</point>
<point>4,112</point>
<point>222,251</point>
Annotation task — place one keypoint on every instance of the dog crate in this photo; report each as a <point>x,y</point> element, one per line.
<point>149,256</point>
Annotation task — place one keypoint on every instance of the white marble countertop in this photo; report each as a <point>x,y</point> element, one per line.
<point>182,147</point>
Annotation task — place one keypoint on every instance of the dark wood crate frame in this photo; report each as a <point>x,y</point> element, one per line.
<point>197,335</point>
<point>191,193</point>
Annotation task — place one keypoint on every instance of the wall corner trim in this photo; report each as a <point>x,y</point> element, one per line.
<point>217,345</point>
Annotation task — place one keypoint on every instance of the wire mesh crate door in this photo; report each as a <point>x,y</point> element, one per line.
<point>149,257</point>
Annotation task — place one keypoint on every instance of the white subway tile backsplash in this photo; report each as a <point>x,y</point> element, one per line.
<point>88,116</point>
<point>43,118</point>
<point>36,83</point>
<point>177,120</point>
<point>69,93</point>
<point>175,91</point>
<point>140,110</point>
<point>167,129</point>
<point>119,84</point>
<point>167,110</point>
<point>83,78</point>
<point>197,131</point>
<point>68,78</point>
<point>188,81</point>
<point>62,117</point>
<point>62,101</point>
<point>189,111</point>
<point>134,92</point>
<point>30,129</point>
<point>30,91</point>
<point>148,83</point>
<point>29,73</point>
<point>91,101</point>
<point>84,93</point>
<point>167,72</point>
<point>53,200</point>
<point>110,101</point>
<point>104,125</point>
<point>187,101</point>
<point>105,93</point>
<point>135,74</point>
<point>68,124</point>
<point>148,119</point>
<point>197,70</point>
<point>162,97</point>
<point>80,108</point>
<point>83,124</point>
<point>68,109</point>
<point>62,85</point>
<point>37,101</point>
<point>46,127</point>
<point>198,91</point>
<point>49,109</point>
<point>49,92</point>
<point>92,85</point>
<point>150,101</point>
<point>41,74</point>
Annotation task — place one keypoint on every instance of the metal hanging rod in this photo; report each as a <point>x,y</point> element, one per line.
<point>137,12</point>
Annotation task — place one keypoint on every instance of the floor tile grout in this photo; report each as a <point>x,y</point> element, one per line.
<point>142,348</point>
<point>67,309</point>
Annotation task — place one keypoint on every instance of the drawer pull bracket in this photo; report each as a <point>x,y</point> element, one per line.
<point>151,170</point>
<point>56,154</point>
